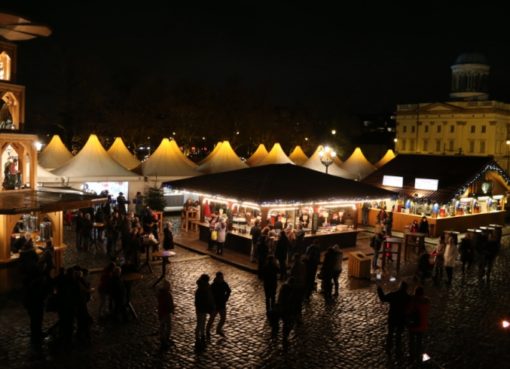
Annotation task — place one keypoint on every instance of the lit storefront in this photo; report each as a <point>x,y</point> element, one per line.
<point>282,195</point>
<point>453,192</point>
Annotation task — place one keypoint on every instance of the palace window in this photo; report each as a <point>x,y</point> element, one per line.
<point>471,146</point>
<point>438,145</point>
<point>452,129</point>
<point>438,129</point>
<point>484,129</point>
<point>482,147</point>
<point>473,129</point>
<point>425,144</point>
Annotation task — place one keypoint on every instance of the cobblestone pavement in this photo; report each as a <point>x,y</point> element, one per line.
<point>348,333</point>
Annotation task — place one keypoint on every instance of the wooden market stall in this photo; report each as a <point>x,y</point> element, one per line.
<point>326,206</point>
<point>452,192</point>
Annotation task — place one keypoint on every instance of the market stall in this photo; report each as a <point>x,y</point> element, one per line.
<point>452,192</point>
<point>282,195</point>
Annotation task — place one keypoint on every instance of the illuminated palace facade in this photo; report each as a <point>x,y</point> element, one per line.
<point>469,124</point>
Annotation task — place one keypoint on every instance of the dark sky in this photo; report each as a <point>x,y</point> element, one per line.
<point>364,59</point>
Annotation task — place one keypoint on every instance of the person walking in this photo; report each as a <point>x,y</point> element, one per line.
<point>166,308</point>
<point>255,233</point>
<point>376,244</point>
<point>168,237</point>
<point>270,278</point>
<point>398,301</point>
<point>204,304</point>
<point>221,228</point>
<point>221,293</point>
<point>418,316</point>
<point>262,250</point>
<point>439,260</point>
<point>326,273</point>
<point>281,252</point>
<point>337,267</point>
<point>450,256</point>
<point>313,256</point>
<point>466,251</point>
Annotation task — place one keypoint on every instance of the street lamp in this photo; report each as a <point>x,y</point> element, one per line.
<point>327,155</point>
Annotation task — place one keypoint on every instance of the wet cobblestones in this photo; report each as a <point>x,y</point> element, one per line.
<point>348,333</point>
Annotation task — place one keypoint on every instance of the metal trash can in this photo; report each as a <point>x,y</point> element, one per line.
<point>498,231</point>
<point>359,265</point>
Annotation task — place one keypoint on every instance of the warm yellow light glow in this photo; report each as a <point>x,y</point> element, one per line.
<point>395,140</point>
<point>38,145</point>
<point>505,324</point>
<point>333,131</point>
<point>508,142</point>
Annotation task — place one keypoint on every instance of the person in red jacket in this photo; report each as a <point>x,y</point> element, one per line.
<point>165,309</point>
<point>417,322</point>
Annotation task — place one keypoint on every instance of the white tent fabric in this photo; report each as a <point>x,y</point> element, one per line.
<point>224,160</point>
<point>298,156</point>
<point>93,163</point>
<point>44,176</point>
<point>389,156</point>
<point>338,161</point>
<point>257,156</point>
<point>314,162</point>
<point>358,165</point>
<point>211,154</point>
<point>120,153</point>
<point>275,156</point>
<point>168,161</point>
<point>55,154</point>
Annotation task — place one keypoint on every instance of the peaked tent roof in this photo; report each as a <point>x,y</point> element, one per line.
<point>44,176</point>
<point>224,160</point>
<point>358,165</point>
<point>390,155</point>
<point>168,161</point>
<point>211,154</point>
<point>120,153</point>
<point>275,156</point>
<point>257,156</point>
<point>93,163</point>
<point>55,154</point>
<point>276,183</point>
<point>314,162</point>
<point>453,173</point>
<point>298,156</point>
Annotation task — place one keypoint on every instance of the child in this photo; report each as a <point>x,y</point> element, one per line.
<point>165,309</point>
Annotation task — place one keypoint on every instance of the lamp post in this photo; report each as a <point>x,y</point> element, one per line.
<point>508,157</point>
<point>327,155</point>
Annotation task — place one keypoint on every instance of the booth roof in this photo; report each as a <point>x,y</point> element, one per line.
<point>18,202</point>
<point>279,182</point>
<point>453,172</point>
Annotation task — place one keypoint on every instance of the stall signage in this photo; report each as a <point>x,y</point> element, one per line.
<point>393,181</point>
<point>426,184</point>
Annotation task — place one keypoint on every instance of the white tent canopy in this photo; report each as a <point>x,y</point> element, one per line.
<point>314,162</point>
<point>224,160</point>
<point>389,156</point>
<point>211,154</point>
<point>257,156</point>
<point>298,156</point>
<point>93,163</point>
<point>168,161</point>
<point>55,154</point>
<point>358,165</point>
<point>120,153</point>
<point>44,176</point>
<point>275,156</point>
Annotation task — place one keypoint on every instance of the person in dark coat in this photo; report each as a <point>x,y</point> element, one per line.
<point>255,233</point>
<point>424,226</point>
<point>262,250</point>
<point>287,309</point>
<point>270,278</point>
<point>168,237</point>
<point>467,252</point>
<point>221,293</point>
<point>281,251</point>
<point>398,301</point>
<point>204,304</point>
<point>313,258</point>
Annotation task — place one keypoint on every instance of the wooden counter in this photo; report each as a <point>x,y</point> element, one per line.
<point>437,226</point>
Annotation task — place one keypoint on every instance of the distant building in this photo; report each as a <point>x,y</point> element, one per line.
<point>469,124</point>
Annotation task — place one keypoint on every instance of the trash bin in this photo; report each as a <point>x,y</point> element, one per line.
<point>359,265</point>
<point>498,231</point>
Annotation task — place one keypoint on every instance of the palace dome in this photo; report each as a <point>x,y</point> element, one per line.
<point>471,58</point>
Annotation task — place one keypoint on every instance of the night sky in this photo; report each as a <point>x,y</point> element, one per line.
<point>335,60</point>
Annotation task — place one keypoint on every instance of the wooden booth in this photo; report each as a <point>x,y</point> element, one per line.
<point>281,195</point>
<point>452,192</point>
